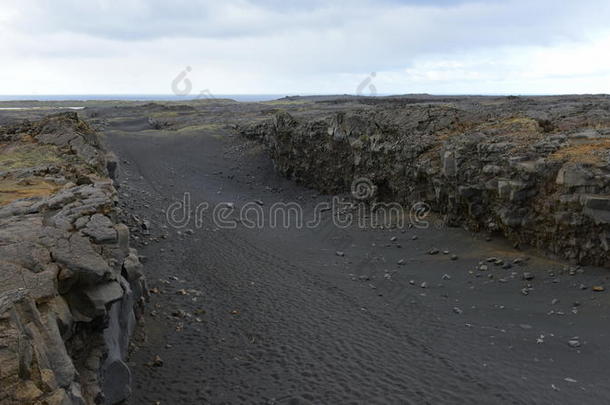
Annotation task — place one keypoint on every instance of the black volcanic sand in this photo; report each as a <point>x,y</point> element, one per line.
<point>268,316</point>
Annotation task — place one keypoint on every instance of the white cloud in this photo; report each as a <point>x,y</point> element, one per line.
<point>240,46</point>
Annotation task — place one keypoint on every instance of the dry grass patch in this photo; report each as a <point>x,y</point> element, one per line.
<point>592,152</point>
<point>12,190</point>
<point>23,155</point>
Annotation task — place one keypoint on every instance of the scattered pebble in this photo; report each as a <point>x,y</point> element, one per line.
<point>157,362</point>
<point>574,343</point>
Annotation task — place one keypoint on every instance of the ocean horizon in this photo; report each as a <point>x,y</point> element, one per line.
<point>137,97</point>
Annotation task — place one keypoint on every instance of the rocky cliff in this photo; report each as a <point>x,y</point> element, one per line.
<point>535,170</point>
<point>71,288</point>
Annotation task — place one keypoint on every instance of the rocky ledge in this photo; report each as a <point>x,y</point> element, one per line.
<point>536,170</point>
<point>71,288</point>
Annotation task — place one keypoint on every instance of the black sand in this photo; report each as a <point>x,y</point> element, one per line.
<point>279,317</point>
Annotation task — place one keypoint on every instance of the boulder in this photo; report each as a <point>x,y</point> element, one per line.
<point>597,208</point>
<point>101,229</point>
<point>77,254</point>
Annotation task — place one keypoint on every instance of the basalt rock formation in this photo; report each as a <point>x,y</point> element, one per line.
<point>71,288</point>
<point>536,170</point>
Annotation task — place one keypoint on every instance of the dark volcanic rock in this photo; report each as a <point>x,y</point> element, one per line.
<point>67,313</point>
<point>542,182</point>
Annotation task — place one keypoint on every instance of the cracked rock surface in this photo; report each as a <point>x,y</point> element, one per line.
<point>70,288</point>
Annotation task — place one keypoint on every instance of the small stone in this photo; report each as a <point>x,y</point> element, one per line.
<point>393,239</point>
<point>412,282</point>
<point>445,252</point>
<point>433,251</point>
<point>446,277</point>
<point>555,301</point>
<point>525,291</point>
<point>454,257</point>
<point>424,285</point>
<point>157,362</point>
<point>414,237</point>
<point>340,254</point>
<point>528,276</point>
<point>483,267</point>
<point>598,288</point>
<point>457,310</point>
<point>574,343</point>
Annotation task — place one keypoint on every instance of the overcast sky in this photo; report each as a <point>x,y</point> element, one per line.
<point>305,47</point>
